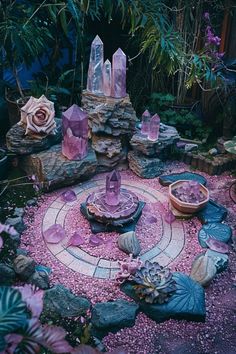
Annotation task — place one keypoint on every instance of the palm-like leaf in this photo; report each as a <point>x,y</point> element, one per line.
<point>13,313</point>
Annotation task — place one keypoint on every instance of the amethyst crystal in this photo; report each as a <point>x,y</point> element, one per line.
<point>189,192</point>
<point>75,133</point>
<point>54,234</point>
<point>106,78</point>
<point>154,128</point>
<point>118,80</point>
<point>145,122</point>
<point>113,184</point>
<point>94,81</point>
<point>68,196</point>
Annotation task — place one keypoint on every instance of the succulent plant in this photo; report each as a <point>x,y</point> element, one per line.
<point>154,283</point>
<point>190,192</point>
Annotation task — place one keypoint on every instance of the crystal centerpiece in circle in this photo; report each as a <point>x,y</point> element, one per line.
<point>75,133</point>
<point>112,203</point>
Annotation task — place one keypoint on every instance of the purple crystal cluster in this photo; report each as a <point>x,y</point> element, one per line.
<point>189,192</point>
<point>104,78</point>
<point>75,133</point>
<point>150,126</point>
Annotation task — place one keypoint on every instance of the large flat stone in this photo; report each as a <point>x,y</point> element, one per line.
<point>166,180</point>
<point>188,301</point>
<point>144,166</point>
<point>112,316</point>
<point>60,301</point>
<point>22,144</point>
<point>168,136</point>
<point>55,170</point>
<point>212,212</point>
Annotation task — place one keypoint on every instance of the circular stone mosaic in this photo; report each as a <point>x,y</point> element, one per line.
<point>167,244</point>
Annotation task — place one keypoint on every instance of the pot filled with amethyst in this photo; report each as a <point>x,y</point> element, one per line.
<point>188,197</point>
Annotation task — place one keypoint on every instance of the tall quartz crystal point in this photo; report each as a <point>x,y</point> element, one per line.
<point>113,184</point>
<point>118,76</point>
<point>106,78</point>
<point>94,81</point>
<point>146,116</point>
<point>75,133</point>
<point>154,128</point>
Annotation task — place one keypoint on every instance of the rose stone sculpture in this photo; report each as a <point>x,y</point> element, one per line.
<point>38,116</point>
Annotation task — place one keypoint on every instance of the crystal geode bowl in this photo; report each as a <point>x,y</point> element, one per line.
<point>187,207</point>
<point>97,206</point>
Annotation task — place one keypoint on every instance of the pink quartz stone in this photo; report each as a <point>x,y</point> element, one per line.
<point>154,128</point>
<point>68,196</point>
<point>169,217</point>
<point>145,122</point>
<point>150,219</point>
<point>106,78</point>
<point>118,76</point>
<point>76,239</point>
<point>113,184</point>
<point>217,246</point>
<point>54,234</point>
<point>95,240</point>
<point>75,133</point>
<point>94,80</point>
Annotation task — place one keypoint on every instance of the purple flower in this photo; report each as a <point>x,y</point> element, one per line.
<point>206,16</point>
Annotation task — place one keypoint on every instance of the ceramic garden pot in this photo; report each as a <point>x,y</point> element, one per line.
<point>184,207</point>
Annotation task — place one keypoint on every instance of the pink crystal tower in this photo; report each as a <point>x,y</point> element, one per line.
<point>75,133</point>
<point>154,128</point>
<point>106,78</point>
<point>118,77</point>
<point>146,116</point>
<point>94,81</point>
<point>113,184</point>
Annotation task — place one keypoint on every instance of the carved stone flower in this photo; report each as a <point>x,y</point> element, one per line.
<point>38,116</point>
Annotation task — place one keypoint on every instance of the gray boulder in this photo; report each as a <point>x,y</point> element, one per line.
<point>24,266</point>
<point>60,301</point>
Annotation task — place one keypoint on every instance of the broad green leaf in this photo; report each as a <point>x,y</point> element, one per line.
<point>13,313</point>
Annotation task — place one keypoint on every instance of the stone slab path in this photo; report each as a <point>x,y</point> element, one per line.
<point>170,245</point>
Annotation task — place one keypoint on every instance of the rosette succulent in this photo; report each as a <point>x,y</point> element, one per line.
<point>154,283</point>
<point>38,116</point>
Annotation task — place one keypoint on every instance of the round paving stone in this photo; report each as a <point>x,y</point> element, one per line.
<point>217,231</point>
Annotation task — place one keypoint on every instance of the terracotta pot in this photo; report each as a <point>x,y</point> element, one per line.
<point>184,207</point>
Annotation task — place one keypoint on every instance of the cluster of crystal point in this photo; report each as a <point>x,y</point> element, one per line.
<point>104,78</point>
<point>146,116</point>
<point>150,125</point>
<point>118,78</point>
<point>75,133</point>
<point>113,202</point>
<point>94,81</point>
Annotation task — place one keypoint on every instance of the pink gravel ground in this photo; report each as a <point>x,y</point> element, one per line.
<point>215,336</point>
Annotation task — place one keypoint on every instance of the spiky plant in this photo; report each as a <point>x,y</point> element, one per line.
<point>154,283</point>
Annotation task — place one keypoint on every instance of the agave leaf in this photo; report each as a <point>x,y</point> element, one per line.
<point>13,312</point>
